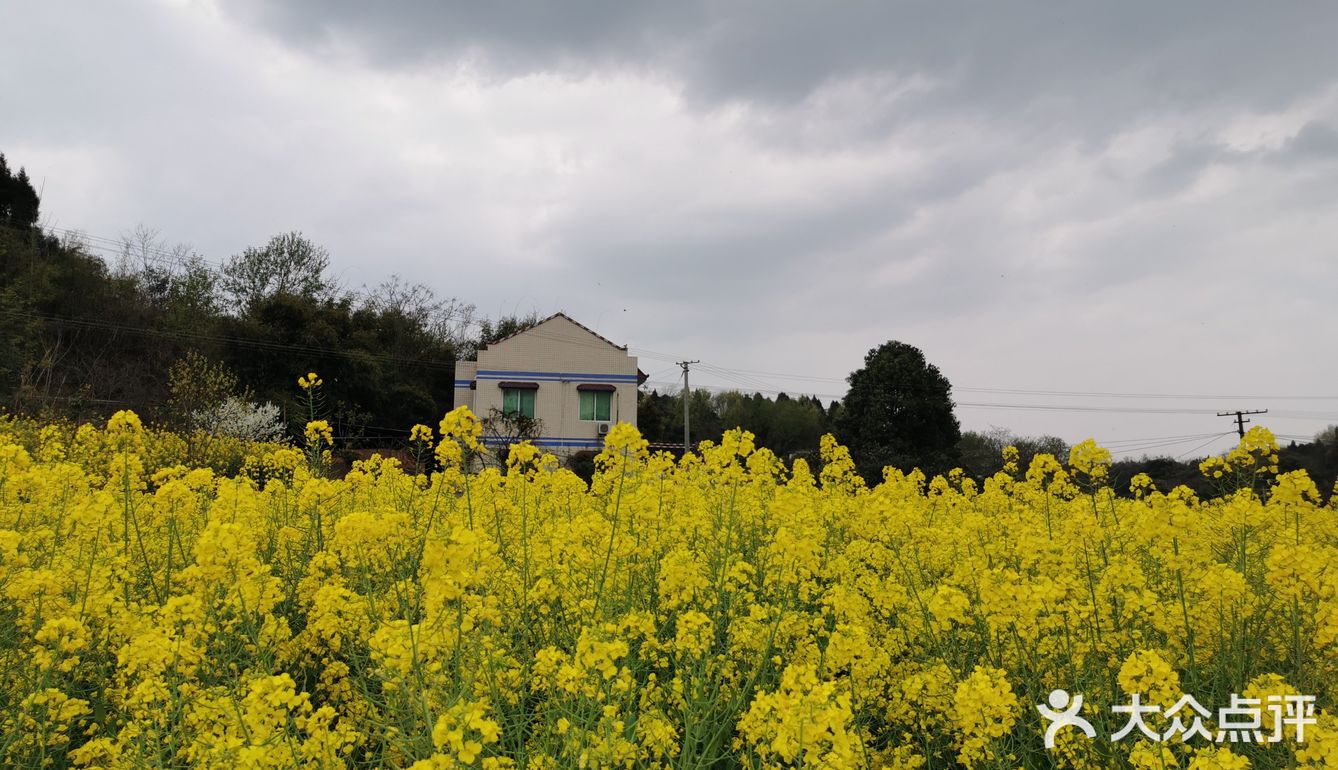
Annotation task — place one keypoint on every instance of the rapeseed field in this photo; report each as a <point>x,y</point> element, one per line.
<point>722,610</point>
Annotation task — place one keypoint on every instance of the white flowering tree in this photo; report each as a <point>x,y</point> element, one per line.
<point>241,419</point>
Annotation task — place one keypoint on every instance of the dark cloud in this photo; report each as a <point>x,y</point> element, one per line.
<point>1069,62</point>
<point>505,38</point>
<point>1315,142</point>
<point>1110,197</point>
<point>1185,164</point>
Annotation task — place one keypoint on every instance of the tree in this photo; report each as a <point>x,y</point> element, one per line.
<point>239,418</point>
<point>705,421</point>
<point>491,332</point>
<point>502,430</point>
<point>84,336</point>
<point>899,412</point>
<point>18,200</point>
<point>447,320</point>
<point>288,264</point>
<point>174,280</point>
<point>981,453</point>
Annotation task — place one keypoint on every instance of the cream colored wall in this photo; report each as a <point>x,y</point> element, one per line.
<point>464,375</point>
<point>554,354</point>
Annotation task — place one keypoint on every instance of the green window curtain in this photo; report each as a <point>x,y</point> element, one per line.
<point>517,401</point>
<point>603,402</point>
<point>588,405</point>
<point>596,405</point>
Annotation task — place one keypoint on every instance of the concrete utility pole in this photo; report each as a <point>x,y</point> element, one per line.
<point>1240,418</point>
<point>687,403</point>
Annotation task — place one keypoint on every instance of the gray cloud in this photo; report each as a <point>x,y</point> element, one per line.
<point>1115,197</point>
<point>1315,142</point>
<point>505,38</point>
<point>1085,61</point>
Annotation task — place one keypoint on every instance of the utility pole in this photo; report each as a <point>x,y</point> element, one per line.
<point>687,403</point>
<point>1240,418</point>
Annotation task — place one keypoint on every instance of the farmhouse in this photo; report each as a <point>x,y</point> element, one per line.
<point>574,383</point>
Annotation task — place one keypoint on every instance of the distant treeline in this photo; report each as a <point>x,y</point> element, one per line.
<point>793,426</point>
<point>87,328</point>
<point>789,426</point>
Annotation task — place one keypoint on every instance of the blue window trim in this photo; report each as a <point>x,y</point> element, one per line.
<point>583,443</point>
<point>497,374</point>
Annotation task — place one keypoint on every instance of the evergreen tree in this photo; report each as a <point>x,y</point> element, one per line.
<point>898,412</point>
<point>18,200</point>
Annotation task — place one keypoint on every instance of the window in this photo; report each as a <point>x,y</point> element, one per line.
<point>518,401</point>
<point>596,405</point>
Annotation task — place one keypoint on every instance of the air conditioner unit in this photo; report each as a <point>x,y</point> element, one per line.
<point>602,429</point>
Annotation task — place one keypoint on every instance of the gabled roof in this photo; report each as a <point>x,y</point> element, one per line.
<point>592,332</point>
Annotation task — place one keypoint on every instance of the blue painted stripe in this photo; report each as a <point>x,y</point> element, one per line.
<point>585,443</point>
<point>494,374</point>
<point>463,383</point>
<point>566,378</point>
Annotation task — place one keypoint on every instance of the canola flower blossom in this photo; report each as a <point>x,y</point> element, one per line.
<point>319,433</point>
<point>721,610</point>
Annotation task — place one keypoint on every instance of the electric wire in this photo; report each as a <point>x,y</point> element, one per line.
<point>747,378</point>
<point>277,347</point>
<point>1204,444</point>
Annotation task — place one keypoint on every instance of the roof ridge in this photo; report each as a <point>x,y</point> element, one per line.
<point>569,318</point>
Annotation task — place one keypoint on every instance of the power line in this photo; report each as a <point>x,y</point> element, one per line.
<point>1111,409</point>
<point>687,403</point>
<point>1204,444</point>
<point>1117,446</point>
<point>277,347</point>
<point>1163,445</point>
<point>1104,409</point>
<point>748,382</point>
<point>1240,418</point>
<point>1290,414</point>
<point>1050,392</point>
<point>764,391</point>
<point>1158,438</point>
<point>742,377</point>
<point>648,353</point>
<point>1131,447</point>
<point>1100,394</point>
<point>659,373</point>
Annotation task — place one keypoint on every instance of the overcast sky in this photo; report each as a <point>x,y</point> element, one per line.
<point>1063,197</point>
